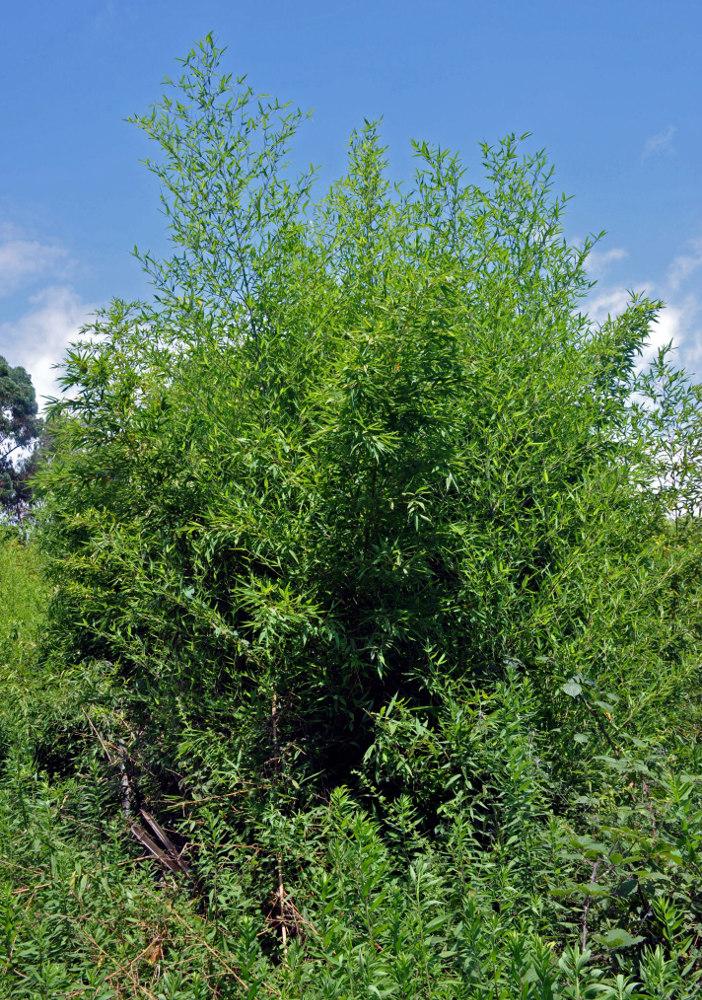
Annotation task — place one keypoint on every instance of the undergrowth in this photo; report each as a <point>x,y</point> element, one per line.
<point>462,866</point>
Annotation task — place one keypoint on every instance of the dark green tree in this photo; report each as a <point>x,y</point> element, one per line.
<point>20,428</point>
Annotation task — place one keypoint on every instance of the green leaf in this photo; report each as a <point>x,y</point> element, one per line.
<point>617,937</point>
<point>626,888</point>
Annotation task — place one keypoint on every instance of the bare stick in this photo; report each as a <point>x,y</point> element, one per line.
<point>281,887</point>
<point>649,806</point>
<point>588,903</point>
<point>220,958</point>
<point>99,738</point>
<point>120,762</point>
<point>124,780</point>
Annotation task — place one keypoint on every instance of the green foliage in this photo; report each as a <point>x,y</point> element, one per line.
<point>20,429</point>
<point>375,597</point>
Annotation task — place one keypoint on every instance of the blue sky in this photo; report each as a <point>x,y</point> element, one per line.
<point>612,90</point>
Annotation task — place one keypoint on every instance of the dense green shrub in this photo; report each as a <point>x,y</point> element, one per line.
<point>357,439</point>
<point>376,582</point>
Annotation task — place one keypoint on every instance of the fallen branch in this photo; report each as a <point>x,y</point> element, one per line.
<point>167,853</point>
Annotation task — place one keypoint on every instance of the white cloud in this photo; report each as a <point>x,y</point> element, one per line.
<point>685,330</point>
<point>677,322</point>
<point>680,320</point>
<point>685,265</point>
<point>600,261</point>
<point>38,339</point>
<point>23,260</point>
<point>607,302</point>
<point>661,142</point>
<point>671,326</point>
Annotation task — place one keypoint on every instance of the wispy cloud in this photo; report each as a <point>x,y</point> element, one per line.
<point>607,302</point>
<point>24,260</point>
<point>673,326</point>
<point>661,142</point>
<point>599,262</point>
<point>679,322</point>
<point>686,264</point>
<point>38,339</point>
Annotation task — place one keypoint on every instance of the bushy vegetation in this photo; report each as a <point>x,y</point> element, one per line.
<point>369,664</point>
